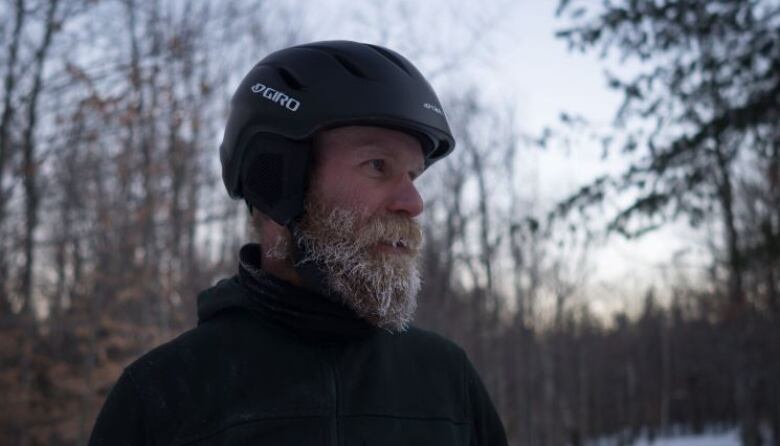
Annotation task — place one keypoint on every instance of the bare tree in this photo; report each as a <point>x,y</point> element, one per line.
<point>9,110</point>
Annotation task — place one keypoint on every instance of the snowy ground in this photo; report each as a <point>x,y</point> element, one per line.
<point>729,438</point>
<point>725,438</point>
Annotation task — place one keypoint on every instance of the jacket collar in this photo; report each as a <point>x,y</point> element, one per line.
<point>304,312</point>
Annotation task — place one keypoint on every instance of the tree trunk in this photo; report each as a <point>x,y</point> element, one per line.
<point>9,86</point>
<point>32,206</point>
<point>726,199</point>
<point>30,163</point>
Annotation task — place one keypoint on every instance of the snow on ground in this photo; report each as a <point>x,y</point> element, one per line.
<point>724,438</point>
<point>729,438</point>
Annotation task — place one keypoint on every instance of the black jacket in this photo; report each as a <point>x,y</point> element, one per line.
<point>271,364</point>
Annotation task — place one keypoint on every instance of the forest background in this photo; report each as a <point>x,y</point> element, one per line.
<point>113,215</point>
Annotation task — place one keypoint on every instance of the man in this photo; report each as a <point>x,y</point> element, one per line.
<point>311,343</point>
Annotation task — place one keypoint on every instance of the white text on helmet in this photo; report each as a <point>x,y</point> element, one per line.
<point>434,108</point>
<point>276,96</point>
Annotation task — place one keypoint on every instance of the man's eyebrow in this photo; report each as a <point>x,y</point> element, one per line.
<point>372,146</point>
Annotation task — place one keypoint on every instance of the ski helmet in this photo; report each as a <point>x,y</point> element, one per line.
<point>293,93</point>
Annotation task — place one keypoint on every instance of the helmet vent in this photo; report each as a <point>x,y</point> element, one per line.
<point>349,66</point>
<point>289,79</point>
<point>391,57</point>
<point>343,61</point>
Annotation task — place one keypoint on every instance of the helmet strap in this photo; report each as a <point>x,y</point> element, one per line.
<point>312,276</point>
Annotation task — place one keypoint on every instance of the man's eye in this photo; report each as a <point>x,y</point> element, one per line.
<point>377,165</point>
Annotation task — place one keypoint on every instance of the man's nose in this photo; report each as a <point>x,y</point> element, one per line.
<point>406,199</point>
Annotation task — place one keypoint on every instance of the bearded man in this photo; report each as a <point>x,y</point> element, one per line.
<point>311,343</point>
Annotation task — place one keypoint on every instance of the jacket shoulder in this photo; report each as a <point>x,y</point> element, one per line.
<point>486,426</point>
<point>174,377</point>
<point>190,347</point>
<point>433,343</point>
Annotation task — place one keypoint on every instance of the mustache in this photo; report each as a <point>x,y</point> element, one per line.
<point>394,230</point>
<point>344,230</point>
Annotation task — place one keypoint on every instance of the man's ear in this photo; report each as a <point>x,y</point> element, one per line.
<point>256,222</point>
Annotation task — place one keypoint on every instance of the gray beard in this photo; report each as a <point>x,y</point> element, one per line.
<point>380,287</point>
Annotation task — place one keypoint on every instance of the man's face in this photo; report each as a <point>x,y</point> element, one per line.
<point>359,224</point>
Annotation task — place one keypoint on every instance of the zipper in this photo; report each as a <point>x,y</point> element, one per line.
<point>335,389</point>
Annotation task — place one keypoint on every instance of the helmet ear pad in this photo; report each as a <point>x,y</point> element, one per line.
<point>274,175</point>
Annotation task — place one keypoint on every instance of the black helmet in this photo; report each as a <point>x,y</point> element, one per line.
<point>293,93</point>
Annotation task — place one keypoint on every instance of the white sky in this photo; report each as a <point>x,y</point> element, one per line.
<point>544,79</point>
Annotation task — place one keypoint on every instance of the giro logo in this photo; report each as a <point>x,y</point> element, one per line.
<point>276,96</point>
<point>434,108</point>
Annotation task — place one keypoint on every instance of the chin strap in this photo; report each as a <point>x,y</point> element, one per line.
<point>312,276</point>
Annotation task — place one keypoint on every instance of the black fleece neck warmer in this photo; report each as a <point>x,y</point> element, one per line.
<point>304,312</point>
